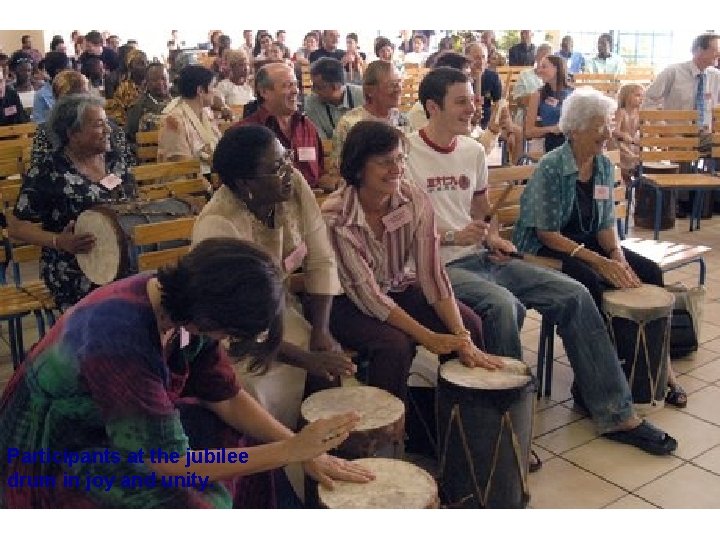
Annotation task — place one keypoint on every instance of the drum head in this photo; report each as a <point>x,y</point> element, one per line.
<point>644,300</point>
<point>108,257</point>
<point>377,407</point>
<point>514,374</point>
<point>397,484</point>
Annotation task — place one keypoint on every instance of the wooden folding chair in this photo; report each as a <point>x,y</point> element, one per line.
<point>159,173</point>
<point>166,231</point>
<point>18,131</point>
<point>147,145</point>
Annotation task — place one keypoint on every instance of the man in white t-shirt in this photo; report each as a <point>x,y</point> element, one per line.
<point>451,168</point>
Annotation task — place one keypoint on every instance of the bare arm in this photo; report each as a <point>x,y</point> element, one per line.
<point>531,130</point>
<point>32,233</point>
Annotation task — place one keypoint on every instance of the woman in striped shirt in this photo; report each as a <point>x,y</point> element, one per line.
<point>380,225</point>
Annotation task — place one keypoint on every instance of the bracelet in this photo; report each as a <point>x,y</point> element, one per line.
<point>462,333</point>
<point>577,248</point>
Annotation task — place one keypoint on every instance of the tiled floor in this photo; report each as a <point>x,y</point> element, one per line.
<point>582,470</point>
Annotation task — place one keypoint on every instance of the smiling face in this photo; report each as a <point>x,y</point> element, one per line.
<point>593,139</point>
<point>704,58</point>
<point>383,173</point>
<point>282,98</point>
<point>546,70</point>
<point>386,53</point>
<point>93,137</point>
<point>272,182</point>
<point>453,116</point>
<point>388,90</point>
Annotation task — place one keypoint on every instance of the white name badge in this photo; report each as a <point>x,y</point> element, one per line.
<point>9,111</point>
<point>307,153</point>
<point>602,193</point>
<point>111,181</point>
<point>397,218</point>
<point>184,338</point>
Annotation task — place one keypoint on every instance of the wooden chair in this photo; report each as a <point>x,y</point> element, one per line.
<point>159,173</point>
<point>18,131</point>
<point>667,135</point>
<point>147,145</point>
<point>166,231</point>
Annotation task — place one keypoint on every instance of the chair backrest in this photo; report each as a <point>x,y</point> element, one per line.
<point>147,145</point>
<point>9,193</point>
<point>166,231</point>
<point>159,173</point>
<point>18,131</point>
<point>498,180</point>
<point>667,135</point>
<point>591,78</point>
<point>14,155</point>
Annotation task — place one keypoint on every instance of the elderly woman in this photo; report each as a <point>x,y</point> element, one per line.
<point>546,103</point>
<point>265,200</point>
<point>567,209</point>
<point>188,131</point>
<point>380,224</point>
<point>235,90</point>
<point>69,82</point>
<point>79,173</point>
<point>138,367</point>
<point>130,87</point>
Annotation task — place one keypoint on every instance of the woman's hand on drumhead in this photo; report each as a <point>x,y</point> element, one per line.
<point>68,241</point>
<point>322,435</point>
<point>444,343</point>
<point>329,364</point>
<point>326,468</point>
<point>471,356</point>
<point>619,274</point>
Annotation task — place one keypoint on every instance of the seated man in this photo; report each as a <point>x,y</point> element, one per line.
<point>145,114</point>
<point>331,98</point>
<point>277,92</point>
<point>606,61</point>
<point>44,100</point>
<point>451,168</point>
<point>329,48</point>
<point>382,88</point>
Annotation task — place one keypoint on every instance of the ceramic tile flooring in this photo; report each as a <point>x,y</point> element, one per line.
<point>582,470</point>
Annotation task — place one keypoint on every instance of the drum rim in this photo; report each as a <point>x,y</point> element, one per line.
<point>445,380</point>
<point>124,262</point>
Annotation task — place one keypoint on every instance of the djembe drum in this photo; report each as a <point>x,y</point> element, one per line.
<point>382,423</point>
<point>397,484</point>
<point>114,255</point>
<point>639,324</point>
<point>484,423</point>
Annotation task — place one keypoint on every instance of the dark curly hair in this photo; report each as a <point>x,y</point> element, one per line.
<point>366,139</point>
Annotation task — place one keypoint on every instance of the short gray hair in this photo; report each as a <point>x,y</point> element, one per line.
<point>583,105</point>
<point>67,117</point>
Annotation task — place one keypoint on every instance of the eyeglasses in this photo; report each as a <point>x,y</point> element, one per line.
<point>387,163</point>
<point>283,168</point>
<point>395,84</point>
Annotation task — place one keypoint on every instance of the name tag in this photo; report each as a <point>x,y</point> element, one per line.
<point>307,153</point>
<point>111,181</point>
<point>9,111</point>
<point>553,102</point>
<point>397,218</point>
<point>602,193</point>
<point>184,338</point>
<point>293,261</point>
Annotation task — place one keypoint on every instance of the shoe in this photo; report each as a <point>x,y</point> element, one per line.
<point>535,462</point>
<point>676,396</point>
<point>646,437</point>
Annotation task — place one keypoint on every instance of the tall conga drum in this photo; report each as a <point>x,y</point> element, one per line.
<point>397,484</point>
<point>645,199</point>
<point>382,424</point>
<point>484,421</point>
<point>639,325</point>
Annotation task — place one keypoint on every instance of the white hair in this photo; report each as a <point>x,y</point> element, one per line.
<point>580,107</point>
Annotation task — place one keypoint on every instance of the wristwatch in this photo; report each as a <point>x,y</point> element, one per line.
<point>449,237</point>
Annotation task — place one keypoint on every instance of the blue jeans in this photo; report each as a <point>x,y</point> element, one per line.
<point>495,290</point>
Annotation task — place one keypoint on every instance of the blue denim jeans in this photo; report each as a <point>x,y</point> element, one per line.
<point>498,291</point>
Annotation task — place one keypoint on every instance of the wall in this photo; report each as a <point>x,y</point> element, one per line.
<point>10,40</point>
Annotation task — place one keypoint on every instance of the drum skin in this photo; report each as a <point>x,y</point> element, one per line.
<point>485,436</point>
<point>397,484</point>
<point>114,255</point>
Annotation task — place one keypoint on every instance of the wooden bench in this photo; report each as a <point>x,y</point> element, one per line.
<point>147,146</point>
<point>166,231</point>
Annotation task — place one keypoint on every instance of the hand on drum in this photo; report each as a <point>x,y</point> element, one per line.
<point>444,343</point>
<point>329,364</point>
<point>321,435</point>
<point>326,468</point>
<point>619,274</point>
<point>73,243</point>
<point>471,356</point>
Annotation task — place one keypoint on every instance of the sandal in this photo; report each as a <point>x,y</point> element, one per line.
<point>535,462</point>
<point>676,396</point>
<point>646,437</point>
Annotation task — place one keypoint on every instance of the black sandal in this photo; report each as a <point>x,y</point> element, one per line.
<point>676,396</point>
<point>646,437</point>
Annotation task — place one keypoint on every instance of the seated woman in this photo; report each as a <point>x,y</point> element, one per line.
<point>11,108</point>
<point>188,132</point>
<point>80,172</point>
<point>138,366</point>
<point>264,200</point>
<point>547,102</point>
<point>130,87</point>
<point>354,60</point>
<point>65,83</point>
<point>379,223</point>
<point>567,210</point>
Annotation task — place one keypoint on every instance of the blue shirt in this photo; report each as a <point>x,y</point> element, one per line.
<point>549,197</point>
<point>575,61</point>
<point>43,102</point>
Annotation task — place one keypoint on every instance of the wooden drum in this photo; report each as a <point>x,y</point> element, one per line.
<point>114,255</point>
<point>382,423</point>
<point>397,484</point>
<point>639,324</point>
<point>484,423</point>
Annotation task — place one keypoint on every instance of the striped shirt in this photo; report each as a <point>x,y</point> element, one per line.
<point>370,268</point>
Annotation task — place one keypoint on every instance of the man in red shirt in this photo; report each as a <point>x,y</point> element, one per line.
<point>277,93</point>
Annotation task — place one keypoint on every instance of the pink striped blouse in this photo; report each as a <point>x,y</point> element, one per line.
<point>369,268</point>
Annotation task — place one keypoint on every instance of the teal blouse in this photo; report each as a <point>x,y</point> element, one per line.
<point>549,197</point>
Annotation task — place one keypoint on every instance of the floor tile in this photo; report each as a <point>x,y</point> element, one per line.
<point>568,437</point>
<point>686,487</point>
<point>705,404</point>
<point>560,484</point>
<point>631,502</point>
<point>694,436</point>
<point>699,358</point>
<point>710,460</point>
<point>553,418</point>
<point>621,464</point>
<point>709,372</point>
<point>691,384</point>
